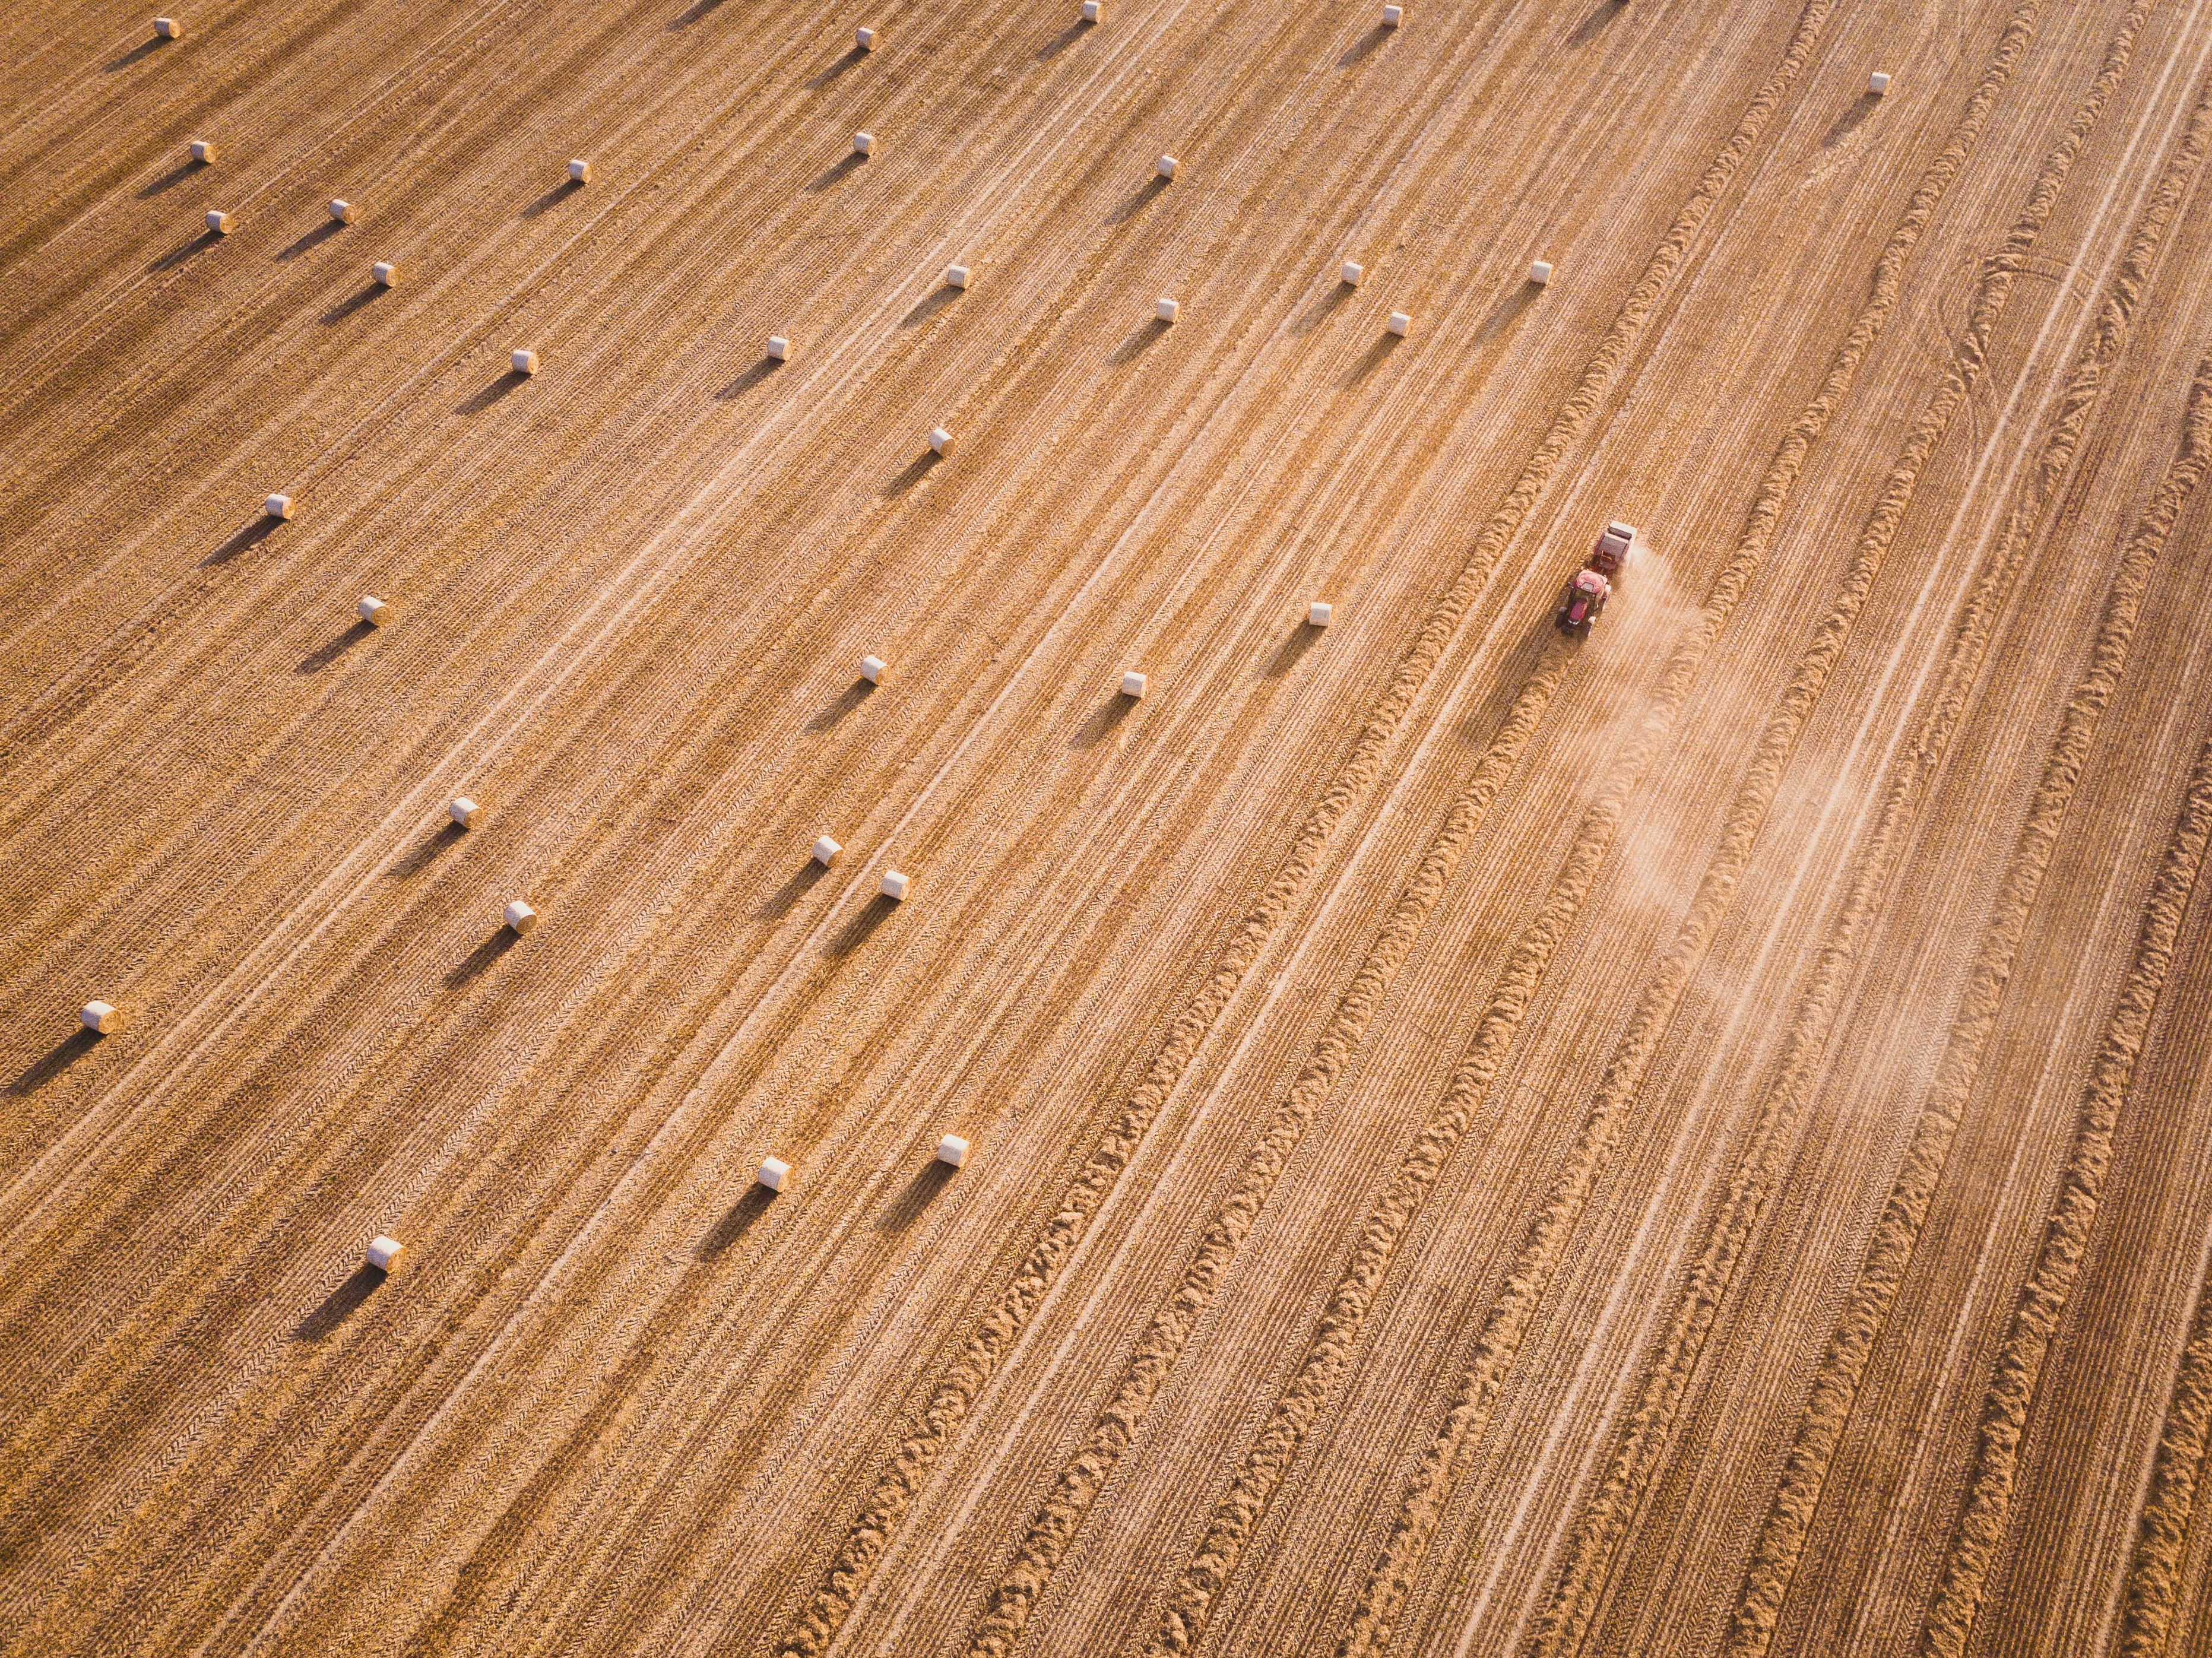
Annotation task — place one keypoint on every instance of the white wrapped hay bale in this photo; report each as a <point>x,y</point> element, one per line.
<point>955,275</point>
<point>386,272</point>
<point>1877,83</point>
<point>521,919</point>
<point>773,1172</point>
<point>1400,324</point>
<point>168,28</point>
<point>1166,309</point>
<point>952,1149</point>
<point>384,1253</point>
<point>1352,273</point>
<point>779,347</point>
<point>463,810</point>
<point>219,223</point>
<point>825,852</point>
<point>1318,614</point>
<point>201,150</point>
<point>864,39</point>
<point>580,172</point>
<point>523,362</point>
<point>375,611</point>
<point>864,144</point>
<point>1166,166</point>
<point>1132,685</point>
<point>277,507</point>
<point>100,1017</point>
<point>342,211</point>
<point>873,668</point>
<point>940,440</point>
<point>894,886</point>
<point>1540,272</point>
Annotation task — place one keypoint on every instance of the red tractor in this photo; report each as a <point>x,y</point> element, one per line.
<point>1590,588</point>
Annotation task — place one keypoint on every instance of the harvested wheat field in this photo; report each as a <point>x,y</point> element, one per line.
<point>1465,1137</point>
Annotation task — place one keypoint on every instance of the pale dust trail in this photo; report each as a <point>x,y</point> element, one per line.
<point>847,1574</point>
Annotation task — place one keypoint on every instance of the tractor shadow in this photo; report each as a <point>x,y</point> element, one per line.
<point>313,239</point>
<point>855,694</point>
<point>252,536</point>
<point>340,1304</point>
<point>914,1202</point>
<point>1484,720</point>
<point>323,655</point>
<point>57,1059</point>
<point>481,960</point>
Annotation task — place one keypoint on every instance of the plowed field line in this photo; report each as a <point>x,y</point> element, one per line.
<point>612,610</point>
<point>1774,1557</point>
<point>847,1574</point>
<point>738,1039</point>
<point>394,404</point>
<point>2042,1298</point>
<point>56,351</point>
<point>1267,1462</point>
<point>1605,1522</point>
<point>1054,1526</point>
<point>2151,1586</point>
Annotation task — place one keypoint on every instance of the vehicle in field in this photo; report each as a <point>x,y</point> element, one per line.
<point>1591,587</point>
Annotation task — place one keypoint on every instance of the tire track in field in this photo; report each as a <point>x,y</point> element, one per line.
<point>1782,1537</point>
<point>67,693</point>
<point>1054,1524</point>
<point>924,1443</point>
<point>2042,1298</point>
<point>1641,1442</point>
<point>1467,1419</point>
<point>124,249</point>
<point>617,603</point>
<point>2155,1564</point>
<point>1267,1461</point>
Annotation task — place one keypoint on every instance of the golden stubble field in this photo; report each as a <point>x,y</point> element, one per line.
<point>1687,1140</point>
